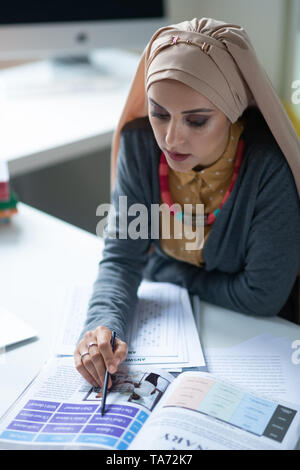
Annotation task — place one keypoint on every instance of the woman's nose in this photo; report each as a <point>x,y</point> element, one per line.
<point>174,136</point>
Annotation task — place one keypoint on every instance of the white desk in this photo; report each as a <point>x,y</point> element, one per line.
<point>48,116</point>
<point>40,256</point>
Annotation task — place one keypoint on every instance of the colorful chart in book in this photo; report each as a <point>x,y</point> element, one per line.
<point>61,423</point>
<point>228,403</point>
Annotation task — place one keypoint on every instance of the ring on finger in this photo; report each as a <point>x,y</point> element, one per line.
<point>91,344</point>
<point>84,354</point>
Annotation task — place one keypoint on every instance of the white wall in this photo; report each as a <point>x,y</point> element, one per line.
<point>293,72</point>
<point>263,20</point>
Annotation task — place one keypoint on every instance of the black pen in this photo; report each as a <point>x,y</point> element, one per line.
<point>112,343</point>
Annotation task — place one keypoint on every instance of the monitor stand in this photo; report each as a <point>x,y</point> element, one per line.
<point>64,67</point>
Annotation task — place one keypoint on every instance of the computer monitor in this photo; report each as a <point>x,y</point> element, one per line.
<point>33,29</point>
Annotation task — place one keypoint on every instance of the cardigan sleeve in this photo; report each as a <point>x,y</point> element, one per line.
<point>272,255</point>
<point>114,294</point>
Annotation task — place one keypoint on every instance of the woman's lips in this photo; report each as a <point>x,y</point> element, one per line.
<point>178,157</point>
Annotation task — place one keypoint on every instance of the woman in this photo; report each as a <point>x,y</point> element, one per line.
<point>203,125</point>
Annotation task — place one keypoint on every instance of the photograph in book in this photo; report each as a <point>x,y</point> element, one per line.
<point>143,388</point>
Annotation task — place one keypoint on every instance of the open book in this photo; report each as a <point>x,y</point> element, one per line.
<point>145,409</point>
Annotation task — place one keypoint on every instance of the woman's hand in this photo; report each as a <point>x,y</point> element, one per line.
<point>92,366</point>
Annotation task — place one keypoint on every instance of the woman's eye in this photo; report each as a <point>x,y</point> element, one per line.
<point>197,123</point>
<point>192,123</point>
<point>158,115</point>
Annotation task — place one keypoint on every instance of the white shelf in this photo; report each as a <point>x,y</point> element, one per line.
<point>50,116</point>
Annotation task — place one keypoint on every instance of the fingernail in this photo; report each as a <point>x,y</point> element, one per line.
<point>111,369</point>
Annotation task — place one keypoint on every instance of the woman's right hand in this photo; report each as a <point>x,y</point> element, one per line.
<point>92,366</point>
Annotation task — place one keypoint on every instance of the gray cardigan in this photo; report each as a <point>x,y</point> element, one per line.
<point>252,254</point>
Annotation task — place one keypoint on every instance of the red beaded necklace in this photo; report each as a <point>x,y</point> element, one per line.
<point>166,195</point>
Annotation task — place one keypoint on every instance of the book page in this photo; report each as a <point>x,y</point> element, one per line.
<point>201,412</point>
<point>60,409</point>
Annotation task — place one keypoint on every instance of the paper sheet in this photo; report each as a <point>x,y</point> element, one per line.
<point>262,364</point>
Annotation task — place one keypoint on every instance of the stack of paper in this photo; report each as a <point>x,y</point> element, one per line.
<point>162,332</point>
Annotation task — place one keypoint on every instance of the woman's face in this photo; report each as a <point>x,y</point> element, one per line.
<point>180,128</point>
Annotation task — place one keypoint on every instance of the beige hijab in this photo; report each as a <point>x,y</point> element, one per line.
<point>218,60</point>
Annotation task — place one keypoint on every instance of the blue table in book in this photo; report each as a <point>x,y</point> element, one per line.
<point>49,422</point>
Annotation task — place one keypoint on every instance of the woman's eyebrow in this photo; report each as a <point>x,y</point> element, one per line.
<point>198,110</point>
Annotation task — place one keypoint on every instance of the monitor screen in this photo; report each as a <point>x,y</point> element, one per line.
<point>56,11</point>
<point>57,28</point>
